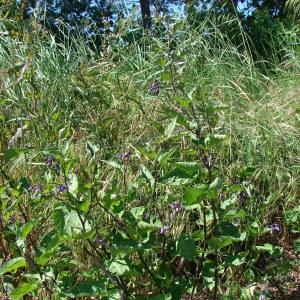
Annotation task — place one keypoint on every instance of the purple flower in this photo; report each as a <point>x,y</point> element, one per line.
<point>35,189</point>
<point>244,195</point>
<point>275,228</point>
<point>56,166</point>
<point>63,188</point>
<point>124,155</point>
<point>146,216</point>
<point>154,88</point>
<point>120,225</point>
<point>49,159</point>
<point>175,207</point>
<point>164,229</point>
<point>100,241</point>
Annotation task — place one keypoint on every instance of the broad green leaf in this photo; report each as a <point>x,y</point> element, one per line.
<point>85,204</point>
<point>208,273</point>
<point>147,174</point>
<point>137,212</point>
<point>68,223</point>
<point>73,187</point>
<point>177,27</point>
<point>170,128</point>
<point>235,260</point>
<point>183,102</point>
<point>194,195</point>
<point>186,246</point>
<point>182,173</point>
<point>149,154</point>
<point>23,289</point>
<point>87,289</point>
<point>165,76</point>
<point>189,167</point>
<point>114,164</point>
<point>45,257</point>
<point>150,226</point>
<point>11,153</point>
<point>12,265</point>
<point>25,229</point>
<point>165,156</point>
<point>233,214</point>
<point>220,242</point>
<point>162,61</point>
<point>119,267</point>
<point>92,148</point>
<point>269,248</point>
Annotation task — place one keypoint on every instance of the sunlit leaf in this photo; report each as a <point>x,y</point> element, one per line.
<point>12,265</point>
<point>22,290</point>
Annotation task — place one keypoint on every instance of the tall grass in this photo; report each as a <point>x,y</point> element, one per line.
<point>72,98</point>
<point>69,92</point>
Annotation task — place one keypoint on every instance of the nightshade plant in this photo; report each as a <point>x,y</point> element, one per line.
<point>159,218</point>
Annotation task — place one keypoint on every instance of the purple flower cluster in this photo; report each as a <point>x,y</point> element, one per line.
<point>164,229</point>
<point>100,241</point>
<point>146,216</point>
<point>175,207</point>
<point>50,161</point>
<point>35,189</point>
<point>275,228</point>
<point>154,88</point>
<point>244,196</point>
<point>63,188</point>
<point>124,155</point>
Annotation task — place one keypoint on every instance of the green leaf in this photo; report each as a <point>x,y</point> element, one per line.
<point>119,267</point>
<point>44,258</point>
<point>73,187</point>
<point>269,248</point>
<point>220,242</point>
<point>137,212</point>
<point>170,128</point>
<point>233,214</point>
<point>235,260</point>
<point>87,289</point>
<point>165,76</point>
<point>68,222</point>
<point>23,289</point>
<point>149,154</point>
<point>85,204</point>
<point>114,164</point>
<point>11,153</point>
<point>150,226</point>
<point>183,102</point>
<point>92,148</point>
<point>25,229</point>
<point>177,27</point>
<point>194,195</point>
<point>147,174</point>
<point>162,61</point>
<point>165,156</point>
<point>12,265</point>
<point>186,246</point>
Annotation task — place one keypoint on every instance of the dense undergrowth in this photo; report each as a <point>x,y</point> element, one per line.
<point>163,168</point>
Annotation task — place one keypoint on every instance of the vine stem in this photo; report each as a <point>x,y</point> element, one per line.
<point>215,294</point>
<point>103,269</point>
<point>198,276</point>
